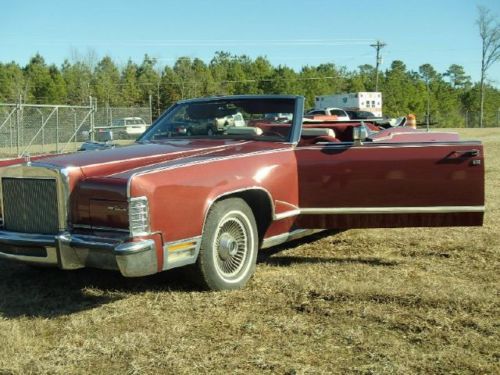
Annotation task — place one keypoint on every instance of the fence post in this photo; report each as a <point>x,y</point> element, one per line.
<point>109,115</point>
<point>18,124</point>
<point>93,108</point>
<point>74,125</point>
<point>11,133</point>
<point>57,130</point>
<point>150,109</point>
<point>43,128</point>
<point>43,136</point>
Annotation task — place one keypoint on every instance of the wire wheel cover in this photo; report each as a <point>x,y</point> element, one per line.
<point>232,246</point>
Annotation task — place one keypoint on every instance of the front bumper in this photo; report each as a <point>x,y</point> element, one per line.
<point>70,252</point>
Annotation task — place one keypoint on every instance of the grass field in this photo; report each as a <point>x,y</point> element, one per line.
<point>362,301</point>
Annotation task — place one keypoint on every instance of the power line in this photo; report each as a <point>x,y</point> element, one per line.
<point>194,82</point>
<point>206,43</point>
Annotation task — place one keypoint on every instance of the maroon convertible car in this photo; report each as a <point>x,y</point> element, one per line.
<point>212,200</point>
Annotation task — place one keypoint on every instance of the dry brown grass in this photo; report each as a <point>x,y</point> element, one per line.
<point>362,301</point>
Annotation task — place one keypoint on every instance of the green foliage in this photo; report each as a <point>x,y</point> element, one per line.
<point>38,80</point>
<point>106,81</point>
<point>457,76</point>
<point>129,89</point>
<point>12,83</point>
<point>451,94</point>
<point>402,91</point>
<point>77,78</point>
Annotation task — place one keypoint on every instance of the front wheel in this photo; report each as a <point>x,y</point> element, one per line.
<point>228,251</point>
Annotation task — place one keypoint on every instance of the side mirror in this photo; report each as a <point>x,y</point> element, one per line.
<point>359,135</point>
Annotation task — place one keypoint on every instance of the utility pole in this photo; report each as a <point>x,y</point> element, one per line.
<point>428,116</point>
<point>378,46</point>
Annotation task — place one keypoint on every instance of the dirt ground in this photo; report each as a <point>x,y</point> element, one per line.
<point>361,301</point>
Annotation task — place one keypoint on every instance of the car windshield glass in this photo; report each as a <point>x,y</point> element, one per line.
<point>267,119</point>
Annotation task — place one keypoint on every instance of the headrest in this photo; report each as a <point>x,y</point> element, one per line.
<point>318,132</point>
<point>243,130</point>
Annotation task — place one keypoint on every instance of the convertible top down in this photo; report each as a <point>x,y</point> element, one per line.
<point>215,179</point>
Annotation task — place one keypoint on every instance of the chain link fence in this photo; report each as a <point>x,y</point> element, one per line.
<point>40,129</point>
<point>468,119</point>
<point>490,119</point>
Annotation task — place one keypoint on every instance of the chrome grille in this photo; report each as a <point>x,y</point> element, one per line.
<point>30,205</point>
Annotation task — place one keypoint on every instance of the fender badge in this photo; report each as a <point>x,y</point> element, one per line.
<point>116,208</point>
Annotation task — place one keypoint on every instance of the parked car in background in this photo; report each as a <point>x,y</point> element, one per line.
<point>184,123</point>
<point>213,201</point>
<point>226,121</point>
<point>338,112</point>
<point>282,117</point>
<point>361,115</point>
<point>128,127</point>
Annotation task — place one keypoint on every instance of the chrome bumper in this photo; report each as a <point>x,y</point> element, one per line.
<point>70,252</point>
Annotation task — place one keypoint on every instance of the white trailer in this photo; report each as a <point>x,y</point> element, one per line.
<point>356,101</point>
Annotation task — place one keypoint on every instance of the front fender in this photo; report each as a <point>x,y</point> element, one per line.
<point>180,198</point>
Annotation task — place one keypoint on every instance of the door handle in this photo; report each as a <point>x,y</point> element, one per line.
<point>467,153</point>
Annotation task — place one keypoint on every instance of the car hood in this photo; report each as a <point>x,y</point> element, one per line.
<point>118,161</point>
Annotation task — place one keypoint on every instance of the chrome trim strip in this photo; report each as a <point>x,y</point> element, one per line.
<point>27,239</point>
<point>133,247</point>
<point>91,242</point>
<point>289,236</point>
<point>324,145</point>
<point>92,227</point>
<point>389,210</point>
<point>287,204</point>
<point>286,214</point>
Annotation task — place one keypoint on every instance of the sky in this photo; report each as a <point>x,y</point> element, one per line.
<point>293,33</point>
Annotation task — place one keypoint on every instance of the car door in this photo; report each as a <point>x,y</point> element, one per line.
<point>344,185</point>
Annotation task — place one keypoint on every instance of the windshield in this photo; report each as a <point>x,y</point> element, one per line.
<point>267,119</point>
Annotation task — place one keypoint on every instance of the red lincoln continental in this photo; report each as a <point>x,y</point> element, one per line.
<point>212,197</point>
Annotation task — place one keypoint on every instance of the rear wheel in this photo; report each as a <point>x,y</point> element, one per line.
<point>228,250</point>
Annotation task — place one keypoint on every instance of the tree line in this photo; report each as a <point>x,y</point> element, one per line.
<point>449,96</point>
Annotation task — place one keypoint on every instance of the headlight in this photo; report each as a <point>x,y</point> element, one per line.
<point>138,216</point>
